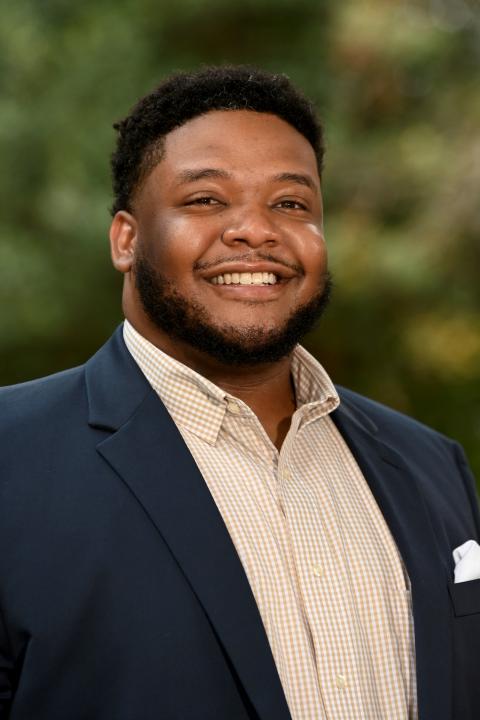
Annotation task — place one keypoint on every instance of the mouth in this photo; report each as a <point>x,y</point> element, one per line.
<point>250,287</point>
<point>251,281</point>
<point>245,278</point>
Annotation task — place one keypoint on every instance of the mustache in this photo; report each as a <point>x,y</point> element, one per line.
<point>248,257</point>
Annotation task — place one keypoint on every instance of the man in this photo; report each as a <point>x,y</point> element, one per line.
<point>197,524</point>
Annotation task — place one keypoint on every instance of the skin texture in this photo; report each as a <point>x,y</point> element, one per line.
<point>260,198</point>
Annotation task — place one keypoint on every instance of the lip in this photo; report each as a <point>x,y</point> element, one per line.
<point>282,272</point>
<point>252,293</point>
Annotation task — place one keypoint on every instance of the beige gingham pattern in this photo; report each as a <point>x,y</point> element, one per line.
<point>325,572</point>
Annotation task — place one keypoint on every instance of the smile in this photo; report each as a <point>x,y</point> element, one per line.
<point>245,278</point>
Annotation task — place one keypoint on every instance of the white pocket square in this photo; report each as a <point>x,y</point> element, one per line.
<point>467,561</point>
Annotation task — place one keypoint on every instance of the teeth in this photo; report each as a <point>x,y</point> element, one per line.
<point>256,278</point>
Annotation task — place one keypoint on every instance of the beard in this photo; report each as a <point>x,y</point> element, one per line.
<point>186,320</point>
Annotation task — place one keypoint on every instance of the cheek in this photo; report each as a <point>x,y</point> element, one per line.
<point>175,244</point>
<point>312,250</point>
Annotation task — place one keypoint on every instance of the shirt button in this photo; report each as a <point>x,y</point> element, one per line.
<point>341,682</point>
<point>233,407</point>
<point>287,475</point>
<point>317,570</point>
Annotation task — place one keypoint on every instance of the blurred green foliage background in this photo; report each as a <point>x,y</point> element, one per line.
<point>397,85</point>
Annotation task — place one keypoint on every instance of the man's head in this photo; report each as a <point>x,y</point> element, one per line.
<point>218,215</point>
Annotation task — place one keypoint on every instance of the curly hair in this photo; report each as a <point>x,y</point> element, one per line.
<point>183,96</point>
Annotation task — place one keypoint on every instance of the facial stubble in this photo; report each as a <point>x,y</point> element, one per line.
<point>185,320</point>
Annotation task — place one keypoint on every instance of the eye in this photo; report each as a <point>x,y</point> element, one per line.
<point>204,200</point>
<point>292,205</point>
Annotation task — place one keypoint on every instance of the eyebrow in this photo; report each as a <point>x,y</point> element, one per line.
<point>296,178</point>
<point>189,176</point>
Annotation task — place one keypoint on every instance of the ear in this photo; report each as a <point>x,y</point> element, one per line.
<point>123,238</point>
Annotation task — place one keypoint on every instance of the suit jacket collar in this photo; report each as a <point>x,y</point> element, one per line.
<point>115,385</point>
<point>149,455</point>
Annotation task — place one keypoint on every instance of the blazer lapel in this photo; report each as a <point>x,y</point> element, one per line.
<point>149,454</point>
<point>401,502</point>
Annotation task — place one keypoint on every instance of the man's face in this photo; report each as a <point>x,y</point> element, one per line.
<point>229,253</point>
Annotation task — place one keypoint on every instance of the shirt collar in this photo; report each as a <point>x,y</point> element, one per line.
<point>197,404</point>
<point>191,399</point>
<point>315,393</point>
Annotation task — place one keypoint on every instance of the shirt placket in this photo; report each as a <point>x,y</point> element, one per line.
<point>317,552</point>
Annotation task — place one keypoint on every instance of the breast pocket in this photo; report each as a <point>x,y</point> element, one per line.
<point>465,597</point>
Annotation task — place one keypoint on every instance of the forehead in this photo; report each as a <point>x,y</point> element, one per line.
<point>241,139</point>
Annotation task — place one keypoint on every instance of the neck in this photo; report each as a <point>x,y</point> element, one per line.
<point>269,391</point>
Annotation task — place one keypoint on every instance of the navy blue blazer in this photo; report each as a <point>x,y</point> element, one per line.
<point>121,594</point>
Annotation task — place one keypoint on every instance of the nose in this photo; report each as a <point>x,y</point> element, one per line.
<point>253,227</point>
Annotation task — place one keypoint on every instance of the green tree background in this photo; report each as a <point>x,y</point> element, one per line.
<point>397,85</point>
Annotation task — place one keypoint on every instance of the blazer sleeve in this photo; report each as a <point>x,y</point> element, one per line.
<point>6,671</point>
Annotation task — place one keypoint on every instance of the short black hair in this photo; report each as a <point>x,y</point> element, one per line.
<point>183,96</point>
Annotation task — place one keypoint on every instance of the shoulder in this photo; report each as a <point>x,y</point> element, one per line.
<point>393,427</point>
<point>36,400</point>
<point>437,461</point>
<point>378,413</point>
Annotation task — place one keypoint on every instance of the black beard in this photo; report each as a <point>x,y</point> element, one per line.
<point>187,321</point>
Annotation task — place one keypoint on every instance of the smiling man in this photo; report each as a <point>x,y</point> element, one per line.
<point>197,524</point>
